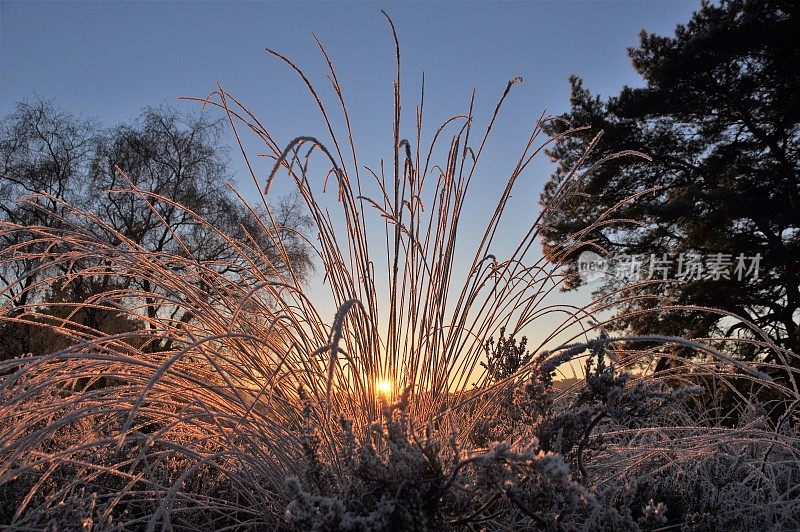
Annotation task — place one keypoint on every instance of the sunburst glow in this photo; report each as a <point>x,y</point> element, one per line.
<point>384,387</point>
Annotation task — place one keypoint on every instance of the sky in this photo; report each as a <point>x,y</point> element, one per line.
<point>108,60</point>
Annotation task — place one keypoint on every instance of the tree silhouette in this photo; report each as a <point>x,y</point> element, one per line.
<point>149,184</point>
<point>719,117</point>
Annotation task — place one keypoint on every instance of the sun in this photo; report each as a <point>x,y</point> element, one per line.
<point>384,387</point>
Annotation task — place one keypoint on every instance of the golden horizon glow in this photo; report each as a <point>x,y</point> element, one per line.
<point>384,387</point>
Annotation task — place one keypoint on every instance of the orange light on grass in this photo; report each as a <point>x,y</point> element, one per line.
<point>384,388</point>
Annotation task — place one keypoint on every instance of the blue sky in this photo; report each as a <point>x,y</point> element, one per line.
<point>108,60</point>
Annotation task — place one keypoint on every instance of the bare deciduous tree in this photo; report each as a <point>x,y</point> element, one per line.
<point>158,184</point>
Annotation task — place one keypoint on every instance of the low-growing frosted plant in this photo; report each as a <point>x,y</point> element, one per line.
<point>396,479</point>
<point>390,479</point>
<point>506,357</point>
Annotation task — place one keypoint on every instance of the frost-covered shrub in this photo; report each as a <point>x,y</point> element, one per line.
<point>716,477</point>
<point>504,358</point>
<point>394,478</point>
<point>390,478</point>
<point>607,396</point>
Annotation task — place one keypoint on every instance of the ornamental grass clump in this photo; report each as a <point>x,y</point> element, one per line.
<point>259,411</point>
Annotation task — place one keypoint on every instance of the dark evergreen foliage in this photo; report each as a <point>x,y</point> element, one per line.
<point>719,119</point>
